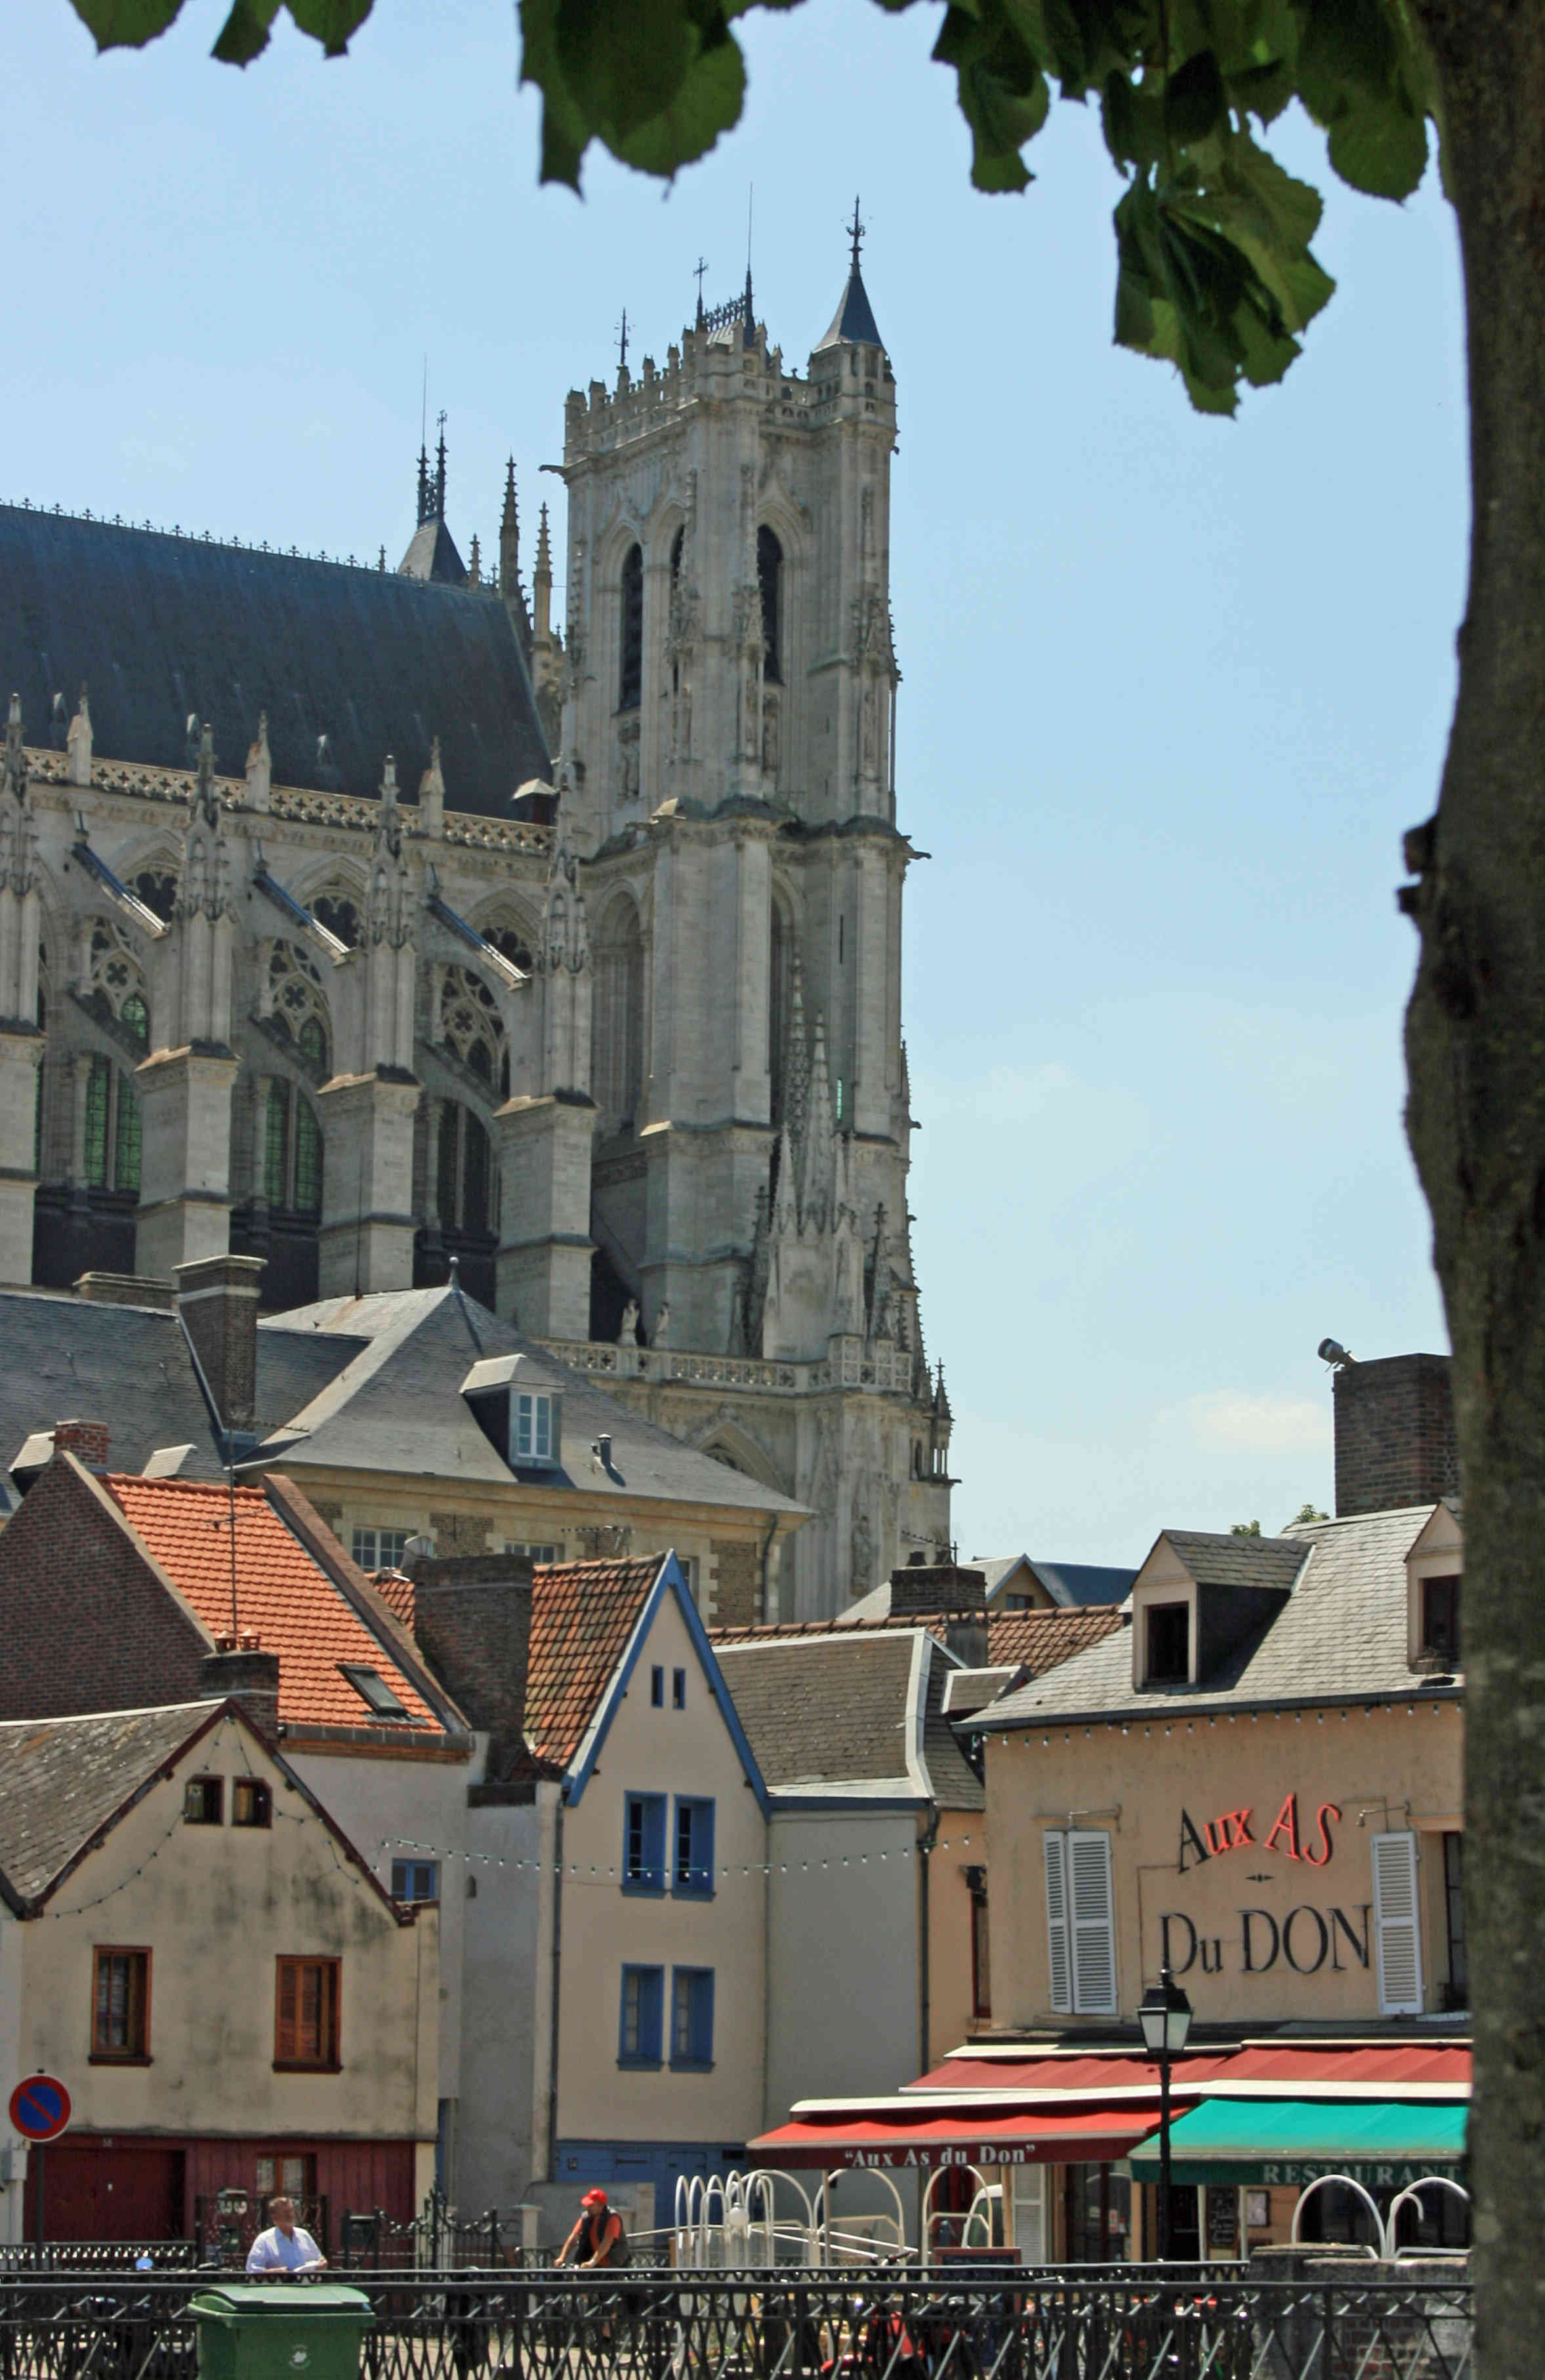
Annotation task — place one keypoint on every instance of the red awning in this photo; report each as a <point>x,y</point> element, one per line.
<point>1324,2069</point>
<point>915,2137</point>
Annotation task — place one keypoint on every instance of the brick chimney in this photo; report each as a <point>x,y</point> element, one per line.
<point>1394,1441</point>
<point>943,1591</point>
<point>86,1440</point>
<point>472,1620</point>
<point>217,1298</point>
<point>239,1669</point>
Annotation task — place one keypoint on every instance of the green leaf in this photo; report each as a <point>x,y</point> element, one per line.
<point>244,33</point>
<point>656,80</point>
<point>1380,146</point>
<point>1195,103</point>
<point>126,24</point>
<point>707,101</point>
<point>331,22</point>
<point>1003,93</point>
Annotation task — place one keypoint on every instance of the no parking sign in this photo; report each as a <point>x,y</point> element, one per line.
<point>40,2107</point>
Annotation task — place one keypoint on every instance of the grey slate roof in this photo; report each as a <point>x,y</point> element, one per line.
<point>62,1779</point>
<point>854,318</point>
<point>161,627</point>
<point>65,1358</point>
<point>830,1713</point>
<point>1227,1560</point>
<point>1341,1636</point>
<point>1081,1583</point>
<point>396,1405</point>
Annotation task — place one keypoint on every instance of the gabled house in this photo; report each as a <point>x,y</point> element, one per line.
<point>204,1958</point>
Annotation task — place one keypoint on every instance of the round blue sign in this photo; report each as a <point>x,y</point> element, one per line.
<point>40,2107</point>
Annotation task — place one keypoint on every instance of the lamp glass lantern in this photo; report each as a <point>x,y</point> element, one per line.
<point>1165,2017</point>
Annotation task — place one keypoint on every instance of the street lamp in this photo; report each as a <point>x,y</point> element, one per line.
<point>1166,2019</point>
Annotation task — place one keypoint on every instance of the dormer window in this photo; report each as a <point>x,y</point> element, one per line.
<point>373,1690</point>
<point>1169,1644</point>
<point>522,1421</point>
<point>533,1428</point>
<point>1439,1618</point>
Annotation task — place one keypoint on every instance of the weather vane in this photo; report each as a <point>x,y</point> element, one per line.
<point>855,231</point>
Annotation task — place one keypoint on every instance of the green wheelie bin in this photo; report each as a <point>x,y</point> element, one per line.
<point>266,2331</point>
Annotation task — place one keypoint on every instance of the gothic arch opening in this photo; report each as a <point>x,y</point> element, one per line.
<point>277,1149</point>
<point>616,1017</point>
<point>630,685</point>
<point>769,576</point>
<point>462,1202</point>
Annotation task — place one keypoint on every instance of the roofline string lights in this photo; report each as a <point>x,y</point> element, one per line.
<point>602,1874</point>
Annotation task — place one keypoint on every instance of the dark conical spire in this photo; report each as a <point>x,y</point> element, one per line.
<point>853,321</point>
<point>425,509</point>
<point>439,475</point>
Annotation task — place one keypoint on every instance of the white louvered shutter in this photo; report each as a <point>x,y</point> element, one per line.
<point>1397,1925</point>
<point>1089,1892</point>
<point>1059,1948</point>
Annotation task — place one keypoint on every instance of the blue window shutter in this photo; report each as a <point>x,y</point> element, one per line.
<point>703,1849</point>
<point>654,1831</point>
<point>703,2016</point>
<point>651,2011</point>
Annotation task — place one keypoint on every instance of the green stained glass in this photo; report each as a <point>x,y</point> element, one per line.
<point>308,1159</point>
<point>99,1087</point>
<point>125,1152</point>
<point>274,1137</point>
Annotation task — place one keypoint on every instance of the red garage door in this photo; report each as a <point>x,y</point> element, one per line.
<point>93,2190</point>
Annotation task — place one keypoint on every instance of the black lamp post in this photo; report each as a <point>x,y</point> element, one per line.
<point>1166,2019</point>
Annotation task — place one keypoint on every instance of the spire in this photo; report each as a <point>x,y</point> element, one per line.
<point>796,1087</point>
<point>206,800</point>
<point>815,1171</point>
<point>542,583</point>
<point>439,490</point>
<point>853,323</point>
<point>700,267</point>
<point>426,510</point>
<point>509,533</point>
<point>13,767</point>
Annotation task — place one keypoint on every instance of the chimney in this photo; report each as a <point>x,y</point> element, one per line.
<point>217,1298</point>
<point>942,1591</point>
<point>124,1289</point>
<point>86,1440</point>
<point>240,1670</point>
<point>1394,1441</point>
<point>472,1620</point>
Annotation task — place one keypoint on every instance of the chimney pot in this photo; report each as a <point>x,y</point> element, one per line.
<point>86,1440</point>
<point>239,1671</point>
<point>217,1298</point>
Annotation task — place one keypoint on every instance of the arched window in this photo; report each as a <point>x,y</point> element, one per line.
<point>631,680</point>
<point>617,1025</point>
<point>339,912</point>
<point>118,986</point>
<point>136,1018</point>
<point>677,546</point>
<point>292,1147</point>
<point>463,1180</point>
<point>294,1005</point>
<point>769,573</point>
<point>157,887</point>
<point>111,1155</point>
<point>470,1025</point>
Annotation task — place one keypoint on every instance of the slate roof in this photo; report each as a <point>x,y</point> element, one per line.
<point>161,627</point>
<point>1081,1583</point>
<point>69,1358</point>
<point>854,318</point>
<point>1341,1635</point>
<point>62,1779</point>
<point>396,1405</point>
<point>1227,1560</point>
<point>1044,1640</point>
<point>830,1710</point>
<point>582,1616</point>
<point>281,1592</point>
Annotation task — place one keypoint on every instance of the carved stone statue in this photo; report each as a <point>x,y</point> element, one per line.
<point>628,1335</point>
<point>661,1334</point>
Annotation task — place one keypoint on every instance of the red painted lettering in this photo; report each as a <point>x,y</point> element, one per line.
<point>1321,1858</point>
<point>1288,1824</point>
<point>1239,1822</point>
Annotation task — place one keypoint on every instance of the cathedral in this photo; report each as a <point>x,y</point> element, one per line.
<point>374,922</point>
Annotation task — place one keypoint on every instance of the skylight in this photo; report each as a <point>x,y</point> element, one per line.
<point>372,1688</point>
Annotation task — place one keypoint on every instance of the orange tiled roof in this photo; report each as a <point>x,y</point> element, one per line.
<point>281,1592</point>
<point>582,1615</point>
<point>1046,1639</point>
<point>398,1593</point>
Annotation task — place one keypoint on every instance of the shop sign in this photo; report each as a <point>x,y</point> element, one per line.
<point>1289,1834</point>
<point>928,2154</point>
<point>1306,1940</point>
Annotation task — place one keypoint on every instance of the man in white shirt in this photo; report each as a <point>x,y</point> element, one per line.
<point>285,2247</point>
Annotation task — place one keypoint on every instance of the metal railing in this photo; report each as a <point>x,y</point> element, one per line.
<point>1038,2325</point>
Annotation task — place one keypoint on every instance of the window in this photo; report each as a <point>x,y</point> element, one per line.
<point>464,1170</point>
<point>204,1801</point>
<point>1439,1618</point>
<point>539,1556</point>
<point>121,2005</point>
<point>306,2019</point>
<point>112,1140</point>
<point>692,1870</point>
<point>292,1143</point>
<point>416,1880</point>
<point>533,1432</point>
<point>372,1689</point>
<point>656,1688</point>
<point>631,678</point>
<point>288,2177</point>
<point>678,1690</point>
<point>643,1843</point>
<point>692,2016</point>
<point>639,2039</point>
<point>1454,1905</point>
<point>1396,1925</point>
<point>1081,1923</point>
<point>1097,2215</point>
<point>769,573</point>
<point>251,1802</point>
<point>1169,1644</point>
<point>617,1015</point>
<point>379,1548</point>
<point>981,1969</point>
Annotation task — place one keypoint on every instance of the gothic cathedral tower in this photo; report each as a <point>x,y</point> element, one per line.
<point>727,780</point>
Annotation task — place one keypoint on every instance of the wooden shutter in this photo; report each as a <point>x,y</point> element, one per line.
<point>286,2030</point>
<point>1397,1925</point>
<point>1089,1894</point>
<point>1058,1960</point>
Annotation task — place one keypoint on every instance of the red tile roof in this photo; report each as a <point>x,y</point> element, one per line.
<point>582,1616</point>
<point>1044,1639</point>
<point>398,1593</point>
<point>281,1592</point>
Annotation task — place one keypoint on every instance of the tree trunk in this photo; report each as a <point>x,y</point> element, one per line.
<point>1475,1051</point>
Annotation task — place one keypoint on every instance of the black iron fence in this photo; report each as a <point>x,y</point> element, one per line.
<point>757,2326</point>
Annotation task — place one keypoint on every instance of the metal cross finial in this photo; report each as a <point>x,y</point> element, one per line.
<point>622,342</point>
<point>701,267</point>
<point>855,231</point>
<point>439,417</point>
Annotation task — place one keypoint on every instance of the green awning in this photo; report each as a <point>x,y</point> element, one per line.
<point>1380,2142</point>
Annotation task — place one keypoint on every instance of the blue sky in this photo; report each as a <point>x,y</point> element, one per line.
<point>1172,688</point>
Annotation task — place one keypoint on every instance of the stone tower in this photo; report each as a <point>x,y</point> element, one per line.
<point>727,776</point>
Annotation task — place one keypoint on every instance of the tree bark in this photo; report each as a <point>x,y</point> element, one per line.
<point>1476,1052</point>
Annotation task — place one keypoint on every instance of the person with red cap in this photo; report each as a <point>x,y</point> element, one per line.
<point>599,2237</point>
